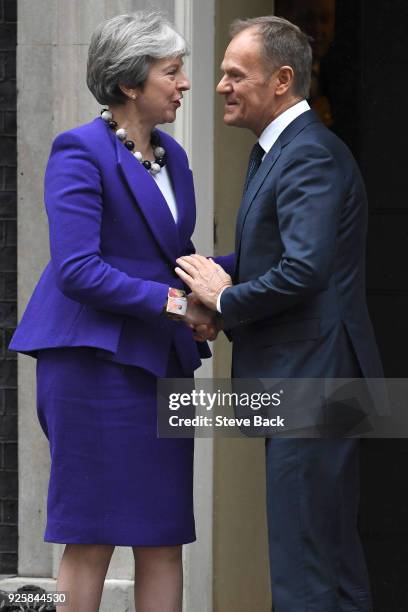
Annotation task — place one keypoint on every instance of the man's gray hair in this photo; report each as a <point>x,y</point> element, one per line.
<point>284,44</point>
<point>122,50</point>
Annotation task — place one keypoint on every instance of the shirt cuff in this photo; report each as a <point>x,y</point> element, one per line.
<point>219,300</point>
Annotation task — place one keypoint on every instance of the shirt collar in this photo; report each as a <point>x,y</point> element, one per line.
<point>272,131</point>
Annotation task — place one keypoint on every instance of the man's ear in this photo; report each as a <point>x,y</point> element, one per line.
<point>284,78</point>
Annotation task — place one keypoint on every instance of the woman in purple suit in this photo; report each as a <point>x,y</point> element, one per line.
<point>120,204</point>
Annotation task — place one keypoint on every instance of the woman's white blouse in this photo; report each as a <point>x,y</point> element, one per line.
<point>164,184</point>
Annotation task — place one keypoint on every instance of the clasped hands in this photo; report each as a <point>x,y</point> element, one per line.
<point>206,280</point>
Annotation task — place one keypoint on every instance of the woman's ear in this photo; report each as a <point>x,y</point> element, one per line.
<point>130,92</point>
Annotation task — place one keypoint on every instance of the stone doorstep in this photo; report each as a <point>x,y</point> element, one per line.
<point>117,594</point>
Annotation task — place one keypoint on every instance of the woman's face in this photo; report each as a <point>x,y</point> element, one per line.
<point>161,95</point>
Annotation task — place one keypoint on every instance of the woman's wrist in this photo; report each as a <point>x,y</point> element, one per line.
<point>175,306</point>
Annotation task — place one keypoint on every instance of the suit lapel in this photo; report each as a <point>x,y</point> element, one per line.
<point>150,200</point>
<point>288,134</point>
<point>254,186</point>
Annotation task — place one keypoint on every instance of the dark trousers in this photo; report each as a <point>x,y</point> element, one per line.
<point>316,559</point>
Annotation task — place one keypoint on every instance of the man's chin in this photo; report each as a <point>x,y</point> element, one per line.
<point>234,121</point>
<point>230,119</point>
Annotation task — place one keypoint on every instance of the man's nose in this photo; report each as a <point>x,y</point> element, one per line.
<point>223,86</point>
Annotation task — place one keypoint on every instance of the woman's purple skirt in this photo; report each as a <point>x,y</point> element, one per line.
<point>112,480</point>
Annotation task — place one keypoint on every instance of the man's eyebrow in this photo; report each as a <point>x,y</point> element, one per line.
<point>231,69</point>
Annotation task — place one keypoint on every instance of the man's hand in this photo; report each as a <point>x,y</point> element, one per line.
<point>204,277</point>
<point>202,320</point>
<point>208,332</point>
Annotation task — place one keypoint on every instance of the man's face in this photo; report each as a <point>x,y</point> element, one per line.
<point>247,86</point>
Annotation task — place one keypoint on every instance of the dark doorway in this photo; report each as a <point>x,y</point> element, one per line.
<point>360,92</point>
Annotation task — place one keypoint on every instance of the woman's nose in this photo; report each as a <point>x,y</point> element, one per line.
<point>184,82</point>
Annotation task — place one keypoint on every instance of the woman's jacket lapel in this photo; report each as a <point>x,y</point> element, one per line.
<point>150,200</point>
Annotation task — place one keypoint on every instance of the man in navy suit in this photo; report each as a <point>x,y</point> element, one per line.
<point>295,306</point>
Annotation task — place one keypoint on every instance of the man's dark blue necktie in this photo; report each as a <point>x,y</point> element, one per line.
<point>255,160</point>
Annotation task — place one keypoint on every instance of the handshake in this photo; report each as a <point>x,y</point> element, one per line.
<point>206,280</point>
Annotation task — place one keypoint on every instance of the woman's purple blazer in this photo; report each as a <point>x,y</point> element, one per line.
<point>113,248</point>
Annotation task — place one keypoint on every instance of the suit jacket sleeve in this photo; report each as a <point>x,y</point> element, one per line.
<point>73,198</point>
<point>227,262</point>
<point>310,192</point>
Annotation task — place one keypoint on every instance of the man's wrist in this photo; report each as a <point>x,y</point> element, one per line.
<point>219,299</point>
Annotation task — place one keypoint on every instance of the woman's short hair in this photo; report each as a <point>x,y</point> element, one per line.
<point>122,50</point>
<point>283,44</point>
